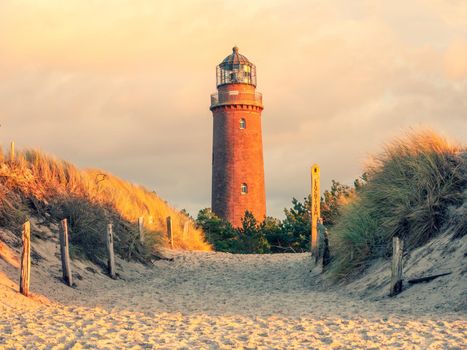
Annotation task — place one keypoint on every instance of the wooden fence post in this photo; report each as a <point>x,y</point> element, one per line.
<point>110,250</point>
<point>65,254</point>
<point>396,266</point>
<point>141,228</point>
<point>169,231</point>
<point>185,230</point>
<point>315,210</point>
<point>12,151</point>
<point>326,254</point>
<point>25,260</point>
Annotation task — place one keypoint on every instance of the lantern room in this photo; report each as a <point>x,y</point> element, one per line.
<point>236,69</point>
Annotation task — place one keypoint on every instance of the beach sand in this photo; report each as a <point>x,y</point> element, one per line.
<point>207,300</point>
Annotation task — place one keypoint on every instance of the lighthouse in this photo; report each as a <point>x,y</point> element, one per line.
<point>237,148</point>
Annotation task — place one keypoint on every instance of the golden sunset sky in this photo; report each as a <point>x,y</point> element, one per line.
<point>125,85</point>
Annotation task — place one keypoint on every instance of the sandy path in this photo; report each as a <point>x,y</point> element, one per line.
<point>215,300</point>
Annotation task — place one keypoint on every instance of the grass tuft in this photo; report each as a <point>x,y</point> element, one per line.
<point>39,184</point>
<point>411,187</point>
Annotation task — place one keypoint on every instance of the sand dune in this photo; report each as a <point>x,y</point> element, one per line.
<point>206,300</point>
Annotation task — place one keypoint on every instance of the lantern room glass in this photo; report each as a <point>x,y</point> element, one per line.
<point>228,73</point>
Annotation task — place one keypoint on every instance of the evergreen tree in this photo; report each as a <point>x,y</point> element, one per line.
<point>296,226</point>
<point>252,237</point>
<point>219,232</point>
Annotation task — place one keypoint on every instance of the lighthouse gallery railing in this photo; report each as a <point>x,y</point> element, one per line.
<point>236,97</point>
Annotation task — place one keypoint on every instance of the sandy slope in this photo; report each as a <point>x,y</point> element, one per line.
<point>211,301</point>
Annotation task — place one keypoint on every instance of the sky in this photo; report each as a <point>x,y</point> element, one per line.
<point>124,85</point>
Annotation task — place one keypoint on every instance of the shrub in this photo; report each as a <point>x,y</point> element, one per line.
<point>272,230</point>
<point>273,235</point>
<point>249,238</point>
<point>296,227</point>
<point>219,232</point>
<point>252,237</point>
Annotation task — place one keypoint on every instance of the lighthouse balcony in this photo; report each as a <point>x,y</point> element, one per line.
<point>236,98</point>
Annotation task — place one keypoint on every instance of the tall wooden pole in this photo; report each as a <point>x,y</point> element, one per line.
<point>25,260</point>
<point>110,250</point>
<point>65,254</point>
<point>141,228</point>
<point>169,231</point>
<point>315,210</point>
<point>396,266</point>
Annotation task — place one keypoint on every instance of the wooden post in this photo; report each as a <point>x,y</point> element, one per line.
<point>64,252</point>
<point>141,228</point>
<point>25,260</point>
<point>315,211</point>
<point>110,250</point>
<point>396,266</point>
<point>12,151</point>
<point>326,254</point>
<point>185,230</point>
<point>169,231</point>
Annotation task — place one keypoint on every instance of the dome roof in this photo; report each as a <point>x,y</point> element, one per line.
<point>235,58</point>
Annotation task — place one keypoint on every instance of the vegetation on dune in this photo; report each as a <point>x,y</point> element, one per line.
<point>415,188</point>
<point>411,188</point>
<point>290,235</point>
<point>224,237</point>
<point>35,183</point>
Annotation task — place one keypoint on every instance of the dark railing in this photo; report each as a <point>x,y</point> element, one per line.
<point>236,97</point>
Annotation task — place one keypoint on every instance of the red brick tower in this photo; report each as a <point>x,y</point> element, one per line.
<point>237,150</point>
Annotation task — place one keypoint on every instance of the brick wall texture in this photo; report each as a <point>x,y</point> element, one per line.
<point>237,159</point>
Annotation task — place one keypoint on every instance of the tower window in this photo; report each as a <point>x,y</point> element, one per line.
<point>242,123</point>
<point>244,188</point>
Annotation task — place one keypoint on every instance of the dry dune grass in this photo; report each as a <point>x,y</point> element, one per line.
<point>412,188</point>
<point>37,180</point>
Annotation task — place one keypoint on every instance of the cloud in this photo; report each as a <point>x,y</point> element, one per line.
<point>455,60</point>
<point>124,85</point>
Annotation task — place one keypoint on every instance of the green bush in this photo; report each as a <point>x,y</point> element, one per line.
<point>249,238</point>
<point>296,227</point>
<point>252,237</point>
<point>218,232</point>
<point>290,235</point>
